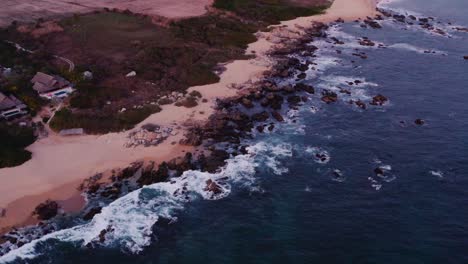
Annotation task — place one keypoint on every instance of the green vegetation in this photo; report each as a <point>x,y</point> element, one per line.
<point>168,57</point>
<point>24,67</point>
<point>101,123</point>
<point>13,140</point>
<point>268,11</point>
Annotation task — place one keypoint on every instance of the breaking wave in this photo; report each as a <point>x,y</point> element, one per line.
<point>127,223</point>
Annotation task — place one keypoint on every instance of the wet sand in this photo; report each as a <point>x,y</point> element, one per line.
<point>65,161</point>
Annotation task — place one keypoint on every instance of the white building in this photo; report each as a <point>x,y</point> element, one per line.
<point>10,107</point>
<point>50,87</point>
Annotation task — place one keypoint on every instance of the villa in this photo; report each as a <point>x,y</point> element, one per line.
<point>11,107</point>
<point>51,86</point>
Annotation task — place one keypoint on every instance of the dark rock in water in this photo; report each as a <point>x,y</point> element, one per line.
<point>277,116</point>
<point>372,23</point>
<point>465,57</point>
<point>337,41</point>
<point>412,17</point>
<point>289,88</point>
<point>91,213</point>
<point>302,76</point>
<point>213,187</point>
<point>304,87</point>
<point>294,99</point>
<point>329,96</point>
<point>303,67</point>
<point>439,31</point>
<point>400,18</point>
<point>361,104</point>
<point>271,127</point>
<point>366,42</point>
<point>345,91</point>
<point>378,100</point>
<point>260,128</point>
<point>384,12</point>
<point>276,102</point>
<point>461,29</point>
<point>424,20</point>
<point>46,210</point>
<point>419,122</point>
<point>340,20</point>
<point>361,55</point>
<point>261,117</point>
<point>379,171</point>
<point>247,103</point>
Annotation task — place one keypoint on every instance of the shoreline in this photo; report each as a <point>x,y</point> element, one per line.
<point>80,157</point>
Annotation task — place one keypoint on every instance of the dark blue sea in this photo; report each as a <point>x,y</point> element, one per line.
<point>285,205</point>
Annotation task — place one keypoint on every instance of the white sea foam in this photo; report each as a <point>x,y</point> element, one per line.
<point>409,47</point>
<point>338,80</point>
<point>437,173</point>
<point>129,219</point>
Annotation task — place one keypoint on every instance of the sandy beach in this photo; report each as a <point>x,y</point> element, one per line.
<point>59,164</point>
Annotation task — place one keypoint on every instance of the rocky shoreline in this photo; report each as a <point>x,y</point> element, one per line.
<point>256,109</point>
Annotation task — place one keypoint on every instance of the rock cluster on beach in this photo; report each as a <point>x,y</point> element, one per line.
<point>148,135</point>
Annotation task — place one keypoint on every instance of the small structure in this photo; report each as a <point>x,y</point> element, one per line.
<point>51,86</point>
<point>72,132</point>
<point>11,107</point>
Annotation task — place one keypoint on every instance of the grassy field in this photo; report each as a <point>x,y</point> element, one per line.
<point>167,58</point>
<point>13,140</point>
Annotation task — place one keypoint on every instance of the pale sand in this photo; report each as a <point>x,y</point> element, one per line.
<point>58,161</point>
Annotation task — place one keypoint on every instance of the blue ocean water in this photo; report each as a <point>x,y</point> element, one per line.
<point>285,205</point>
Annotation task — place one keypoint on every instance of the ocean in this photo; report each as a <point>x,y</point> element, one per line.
<point>335,183</point>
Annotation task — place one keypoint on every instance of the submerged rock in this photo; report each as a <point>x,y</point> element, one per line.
<point>379,100</point>
<point>329,96</point>
<point>419,122</point>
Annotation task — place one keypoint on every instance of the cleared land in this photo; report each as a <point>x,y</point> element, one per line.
<point>31,10</point>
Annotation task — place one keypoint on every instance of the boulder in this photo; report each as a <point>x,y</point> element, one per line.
<point>213,187</point>
<point>277,116</point>
<point>304,87</point>
<point>419,122</point>
<point>247,103</point>
<point>91,213</point>
<point>294,99</point>
<point>46,210</point>
<point>360,104</point>
<point>379,100</point>
<point>329,96</point>
<point>261,117</point>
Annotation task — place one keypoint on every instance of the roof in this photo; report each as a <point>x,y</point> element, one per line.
<point>7,102</point>
<point>45,83</point>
